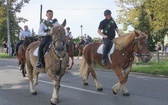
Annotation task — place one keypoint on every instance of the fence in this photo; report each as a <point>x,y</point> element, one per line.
<point>159,56</point>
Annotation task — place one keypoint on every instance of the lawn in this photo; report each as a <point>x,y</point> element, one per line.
<point>152,67</point>
<point>3,55</point>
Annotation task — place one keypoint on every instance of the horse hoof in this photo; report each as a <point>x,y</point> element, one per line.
<point>100,89</point>
<point>114,92</point>
<point>52,103</point>
<point>126,94</point>
<point>56,102</point>
<point>34,93</point>
<point>85,84</point>
<point>23,75</point>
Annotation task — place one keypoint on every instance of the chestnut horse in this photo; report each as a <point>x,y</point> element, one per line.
<point>79,48</point>
<point>56,61</point>
<point>70,51</point>
<point>21,53</point>
<point>122,58</point>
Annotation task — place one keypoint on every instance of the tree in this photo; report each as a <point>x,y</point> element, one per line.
<point>14,6</point>
<point>145,14</point>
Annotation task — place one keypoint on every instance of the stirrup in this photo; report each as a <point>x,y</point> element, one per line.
<point>103,62</point>
<point>39,65</point>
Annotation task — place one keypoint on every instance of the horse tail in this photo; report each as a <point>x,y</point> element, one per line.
<point>84,67</point>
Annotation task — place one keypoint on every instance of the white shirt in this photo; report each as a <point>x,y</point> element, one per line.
<point>24,34</point>
<point>43,27</point>
<point>69,34</point>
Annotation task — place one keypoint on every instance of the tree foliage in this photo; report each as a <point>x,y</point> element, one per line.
<point>150,15</point>
<point>14,6</point>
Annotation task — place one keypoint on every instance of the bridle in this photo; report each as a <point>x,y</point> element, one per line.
<point>138,53</point>
<point>54,50</point>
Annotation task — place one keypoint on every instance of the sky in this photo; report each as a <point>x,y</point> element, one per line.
<point>87,13</point>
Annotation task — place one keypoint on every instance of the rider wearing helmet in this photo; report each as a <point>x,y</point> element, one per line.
<point>106,29</point>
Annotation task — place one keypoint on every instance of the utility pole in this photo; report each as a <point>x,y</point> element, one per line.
<point>8,28</point>
<point>81,31</point>
<point>41,8</point>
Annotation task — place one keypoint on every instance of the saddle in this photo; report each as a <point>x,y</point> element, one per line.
<point>111,50</point>
<point>45,49</point>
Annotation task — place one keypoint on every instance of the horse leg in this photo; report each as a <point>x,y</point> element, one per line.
<point>56,83</point>
<point>55,97</point>
<point>117,86</point>
<point>85,78</point>
<point>72,62</point>
<point>35,76</point>
<point>98,85</point>
<point>126,74</point>
<point>30,77</point>
<point>23,70</point>
<point>79,53</point>
<point>19,65</point>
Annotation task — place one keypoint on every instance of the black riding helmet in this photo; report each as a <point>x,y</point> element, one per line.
<point>107,12</point>
<point>68,28</point>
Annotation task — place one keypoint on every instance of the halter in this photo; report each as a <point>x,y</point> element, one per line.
<point>56,49</point>
<point>139,54</point>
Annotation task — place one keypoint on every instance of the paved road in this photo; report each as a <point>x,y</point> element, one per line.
<point>144,90</point>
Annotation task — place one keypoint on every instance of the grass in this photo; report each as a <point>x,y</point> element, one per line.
<point>3,55</point>
<point>152,67</point>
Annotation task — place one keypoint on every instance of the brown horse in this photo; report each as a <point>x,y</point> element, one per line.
<point>70,51</point>
<point>56,61</point>
<point>79,48</point>
<point>122,58</point>
<point>21,54</point>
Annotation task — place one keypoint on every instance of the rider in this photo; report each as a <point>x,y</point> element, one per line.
<point>88,40</point>
<point>23,34</point>
<point>106,29</point>
<point>69,34</point>
<point>44,30</point>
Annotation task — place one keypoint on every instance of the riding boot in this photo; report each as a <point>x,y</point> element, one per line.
<point>40,57</point>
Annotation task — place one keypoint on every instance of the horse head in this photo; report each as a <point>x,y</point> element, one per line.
<point>58,39</point>
<point>28,40</point>
<point>141,46</point>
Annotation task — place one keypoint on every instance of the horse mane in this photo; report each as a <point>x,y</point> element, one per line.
<point>124,40</point>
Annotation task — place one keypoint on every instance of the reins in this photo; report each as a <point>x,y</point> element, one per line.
<point>139,54</point>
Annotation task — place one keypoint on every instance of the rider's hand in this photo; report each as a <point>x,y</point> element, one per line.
<point>105,36</point>
<point>48,33</point>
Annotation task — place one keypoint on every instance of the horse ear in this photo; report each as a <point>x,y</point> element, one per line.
<point>64,23</point>
<point>146,32</point>
<point>136,33</point>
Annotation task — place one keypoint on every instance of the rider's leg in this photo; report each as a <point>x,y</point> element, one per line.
<point>43,42</point>
<point>106,46</point>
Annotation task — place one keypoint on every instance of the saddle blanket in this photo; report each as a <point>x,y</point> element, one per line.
<point>100,51</point>
<point>35,53</point>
